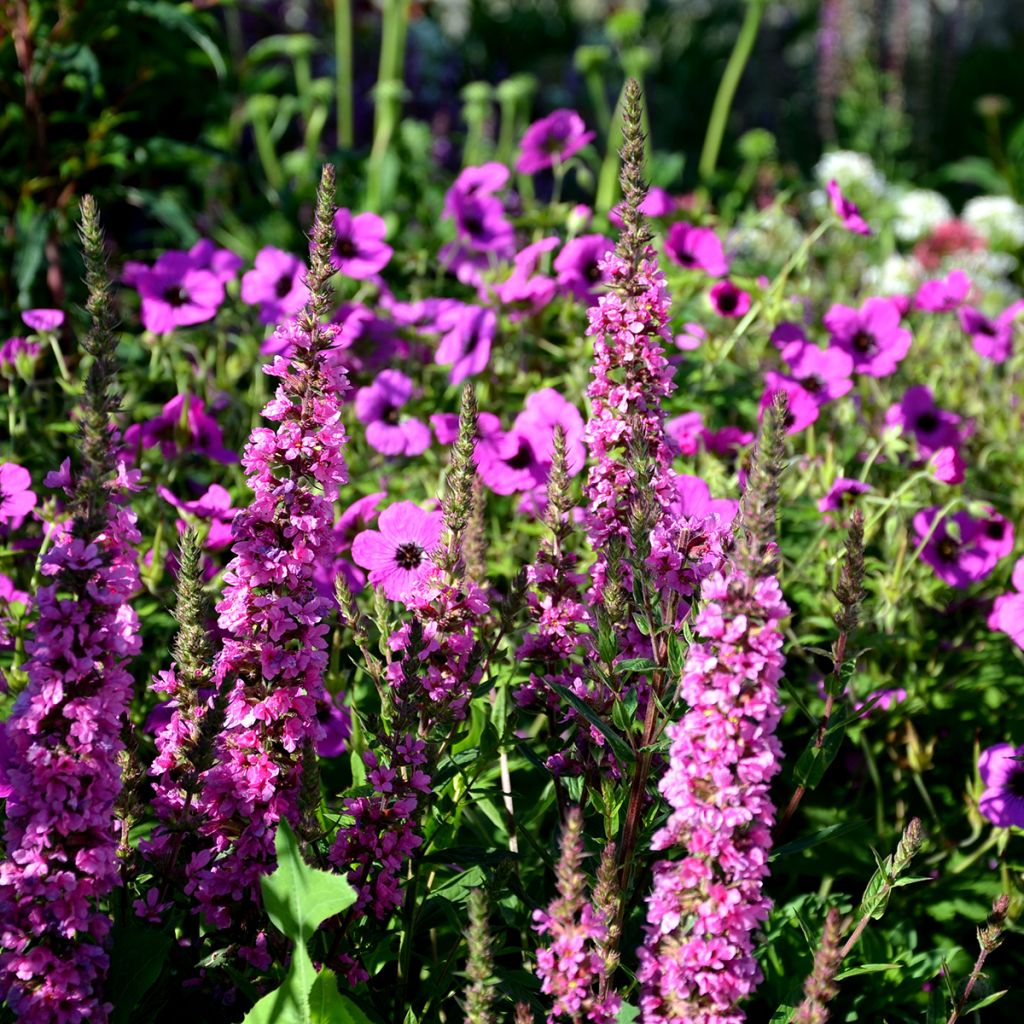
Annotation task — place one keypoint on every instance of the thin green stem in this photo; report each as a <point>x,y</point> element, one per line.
<point>343,72</point>
<point>727,87</point>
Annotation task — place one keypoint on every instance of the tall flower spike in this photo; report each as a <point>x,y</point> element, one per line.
<point>820,987</point>
<point>458,499</point>
<point>479,1004</point>
<point>272,663</point>
<point>636,235</point>
<point>697,962</point>
<point>755,543</point>
<point>65,731</point>
<point>572,968</point>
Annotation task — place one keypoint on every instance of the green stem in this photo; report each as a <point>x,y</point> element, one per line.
<point>343,72</point>
<point>727,87</point>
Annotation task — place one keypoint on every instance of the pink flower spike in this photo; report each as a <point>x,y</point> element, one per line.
<point>43,319</point>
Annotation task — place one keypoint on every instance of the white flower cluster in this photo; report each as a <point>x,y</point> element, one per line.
<point>896,275</point>
<point>919,212</point>
<point>855,173</point>
<point>998,218</point>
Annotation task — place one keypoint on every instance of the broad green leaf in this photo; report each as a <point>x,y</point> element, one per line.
<point>987,1001</point>
<point>328,1006</point>
<point>816,838</point>
<point>853,972</point>
<point>627,1014</point>
<point>137,960</point>
<point>297,899</point>
<point>810,768</point>
<point>783,1015</point>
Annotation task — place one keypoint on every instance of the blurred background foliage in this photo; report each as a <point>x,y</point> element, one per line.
<point>212,118</point>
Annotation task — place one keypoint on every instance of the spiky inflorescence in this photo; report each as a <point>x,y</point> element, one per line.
<point>820,986</point>
<point>697,960</point>
<point>479,998</point>
<point>65,732</point>
<point>272,663</point>
<point>430,682</point>
<point>631,375</point>
<point>572,967</point>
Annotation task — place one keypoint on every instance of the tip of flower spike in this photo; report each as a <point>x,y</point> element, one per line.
<point>635,236</point>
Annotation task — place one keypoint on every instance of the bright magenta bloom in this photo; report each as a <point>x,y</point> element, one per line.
<point>398,552</point>
<point>846,210</point>
<point>360,250</point>
<point>696,248</point>
<point>552,140</point>
<point>1002,772</point>
<point>17,498</point>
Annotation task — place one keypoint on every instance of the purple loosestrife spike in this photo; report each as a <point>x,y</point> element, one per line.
<point>65,732</point>
<point>697,960</point>
<point>572,968</point>
<point>458,500</point>
<point>275,653</point>
<point>479,998</point>
<point>820,987</point>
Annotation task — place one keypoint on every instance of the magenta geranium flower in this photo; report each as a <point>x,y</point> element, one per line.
<point>180,429</point>
<point>841,495</point>
<point>506,460</point>
<point>728,300</point>
<point>386,429</point>
<point>1008,609</point>
<point>691,337</point>
<point>825,374</point>
<point>801,406</point>
<point>948,466</point>
<point>222,263</point>
<point>957,555</point>
<point>846,210</point>
<point>578,266</point>
<point>213,505</point>
<point>275,284</point>
<point>43,319</point>
<point>1002,774</point>
<point>693,498</point>
<point>17,498</point>
<point>465,345</point>
<point>525,290</point>
<point>871,335</point>
<point>18,350</point>
<point>478,213</point>
<point>944,294</point>
<point>359,248</point>
<point>543,411</point>
<point>687,431</point>
<point>175,293</point>
<point>697,249</point>
<point>995,535</point>
<point>552,139</point>
<point>398,552</point>
<point>916,413</point>
<point>658,203</point>
<point>359,516</point>
<point>992,339</point>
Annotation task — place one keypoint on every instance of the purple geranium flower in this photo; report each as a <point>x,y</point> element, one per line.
<point>43,319</point>
<point>992,339</point>
<point>841,495</point>
<point>917,413</point>
<point>275,284</point>
<point>359,247</point>
<point>1002,774</point>
<point>175,293</point>
<point>696,248</point>
<point>398,552</point>
<point>466,343</point>
<point>802,407</point>
<point>825,374</point>
<point>479,215</point>
<point>871,335</point>
<point>181,428</point>
<point>693,498</point>
<point>944,294</point>
<point>506,460</point>
<point>17,349</point>
<point>846,210</point>
<point>222,263</point>
<point>552,139</point>
<point>214,505</point>
<point>691,337</point>
<point>728,300</point>
<point>948,466</point>
<point>17,498</point>
<point>578,266</point>
<point>955,554</point>
<point>1008,609</point>
<point>378,407</point>
<point>542,412</point>
<point>687,431</point>
<point>525,290</point>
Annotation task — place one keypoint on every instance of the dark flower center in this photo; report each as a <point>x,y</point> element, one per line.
<point>995,529</point>
<point>1015,783</point>
<point>987,328</point>
<point>473,224</point>
<point>408,556</point>
<point>346,248</point>
<point>863,342</point>
<point>283,286</point>
<point>390,415</point>
<point>927,422</point>
<point>687,259</point>
<point>592,272</point>
<point>728,301</point>
<point>175,295</point>
<point>948,549</point>
<point>813,384</point>
<point>523,456</point>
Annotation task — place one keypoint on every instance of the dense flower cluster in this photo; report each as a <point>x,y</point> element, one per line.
<point>697,960</point>
<point>62,746</point>
<point>273,613</point>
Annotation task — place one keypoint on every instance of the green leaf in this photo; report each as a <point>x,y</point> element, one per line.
<point>297,899</point>
<point>987,1001</point>
<point>783,1015</point>
<point>853,972</point>
<point>137,960</point>
<point>328,1006</point>
<point>814,761</point>
<point>627,1014</point>
<point>619,746</point>
<point>179,19</point>
<point>816,838</point>
<point>637,665</point>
